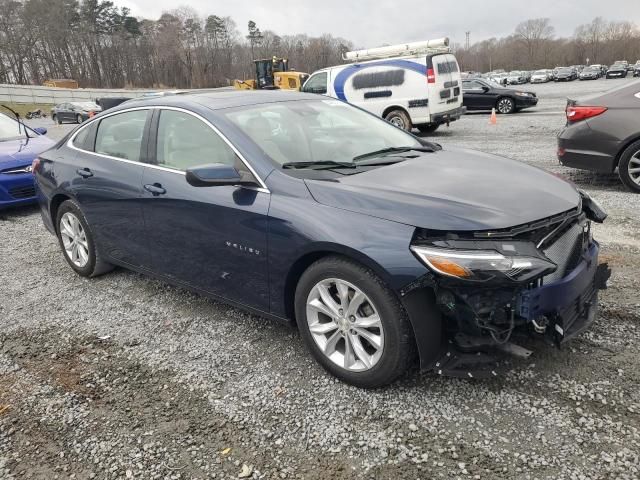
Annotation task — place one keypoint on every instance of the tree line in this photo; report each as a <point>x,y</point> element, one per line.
<point>534,45</point>
<point>101,45</point>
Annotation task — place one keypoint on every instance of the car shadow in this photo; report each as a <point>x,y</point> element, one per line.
<point>12,213</point>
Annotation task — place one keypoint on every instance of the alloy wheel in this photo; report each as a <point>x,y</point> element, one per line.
<point>345,324</point>
<point>634,168</point>
<point>505,105</point>
<point>74,240</point>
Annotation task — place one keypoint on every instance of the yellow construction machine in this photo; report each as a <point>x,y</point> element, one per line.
<point>273,74</point>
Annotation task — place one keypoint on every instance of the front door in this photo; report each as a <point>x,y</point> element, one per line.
<point>213,238</point>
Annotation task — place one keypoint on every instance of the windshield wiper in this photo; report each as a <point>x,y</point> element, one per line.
<point>320,164</point>
<point>390,150</point>
<point>19,121</point>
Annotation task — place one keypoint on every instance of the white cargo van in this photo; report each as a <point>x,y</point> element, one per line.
<point>412,85</point>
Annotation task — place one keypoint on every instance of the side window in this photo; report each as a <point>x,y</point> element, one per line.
<point>121,135</point>
<point>184,141</point>
<point>316,84</point>
<point>81,138</point>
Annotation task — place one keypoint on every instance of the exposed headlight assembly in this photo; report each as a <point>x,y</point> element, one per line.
<point>482,265</point>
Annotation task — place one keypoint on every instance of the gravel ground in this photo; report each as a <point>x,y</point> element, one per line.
<point>125,377</point>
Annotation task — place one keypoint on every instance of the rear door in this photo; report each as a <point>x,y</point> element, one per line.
<point>444,81</point>
<point>107,183</point>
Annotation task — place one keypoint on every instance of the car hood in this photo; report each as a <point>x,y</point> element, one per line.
<point>15,153</point>
<point>451,190</point>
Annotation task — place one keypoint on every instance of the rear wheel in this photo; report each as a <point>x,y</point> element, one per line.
<point>400,119</point>
<point>505,105</point>
<point>629,167</point>
<point>428,128</point>
<point>79,118</point>
<point>77,241</point>
<point>352,323</point>
<point>56,119</point>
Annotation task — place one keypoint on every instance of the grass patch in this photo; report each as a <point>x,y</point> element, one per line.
<point>23,108</point>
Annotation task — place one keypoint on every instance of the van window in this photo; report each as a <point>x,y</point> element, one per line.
<point>447,67</point>
<point>316,84</point>
<point>121,135</point>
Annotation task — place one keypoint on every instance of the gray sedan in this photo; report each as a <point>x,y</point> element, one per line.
<point>603,133</point>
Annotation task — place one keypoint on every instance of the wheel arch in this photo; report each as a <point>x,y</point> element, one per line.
<point>627,143</point>
<point>54,205</point>
<point>319,251</point>
<point>391,108</point>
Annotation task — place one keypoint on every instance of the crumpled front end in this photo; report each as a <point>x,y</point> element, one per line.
<point>492,288</point>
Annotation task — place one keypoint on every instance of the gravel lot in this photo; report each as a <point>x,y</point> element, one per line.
<point>125,377</point>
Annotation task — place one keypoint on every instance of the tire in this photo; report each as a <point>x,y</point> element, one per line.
<point>505,105</point>
<point>79,118</point>
<point>370,367</point>
<point>630,160</point>
<point>400,119</point>
<point>56,119</point>
<point>94,264</point>
<point>428,128</point>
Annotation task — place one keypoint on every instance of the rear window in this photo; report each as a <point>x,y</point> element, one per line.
<point>450,66</point>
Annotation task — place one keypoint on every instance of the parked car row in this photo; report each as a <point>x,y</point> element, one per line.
<point>559,74</point>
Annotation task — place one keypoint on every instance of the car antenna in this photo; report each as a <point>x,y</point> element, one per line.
<point>20,123</point>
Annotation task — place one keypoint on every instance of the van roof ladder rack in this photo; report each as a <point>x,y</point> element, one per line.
<point>427,47</point>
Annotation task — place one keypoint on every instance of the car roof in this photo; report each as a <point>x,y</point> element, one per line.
<point>221,99</point>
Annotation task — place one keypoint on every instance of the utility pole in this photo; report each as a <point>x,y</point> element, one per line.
<point>467,42</point>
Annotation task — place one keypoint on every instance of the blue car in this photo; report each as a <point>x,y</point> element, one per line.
<point>19,145</point>
<point>384,248</point>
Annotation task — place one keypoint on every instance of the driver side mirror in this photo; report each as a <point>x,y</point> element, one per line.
<point>218,174</point>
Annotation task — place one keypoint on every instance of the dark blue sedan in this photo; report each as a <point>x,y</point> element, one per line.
<point>381,246</point>
<point>19,145</point>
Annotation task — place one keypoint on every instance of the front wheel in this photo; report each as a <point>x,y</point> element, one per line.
<point>352,323</point>
<point>79,118</point>
<point>77,241</point>
<point>629,167</point>
<point>505,105</point>
<point>428,128</point>
<point>400,119</point>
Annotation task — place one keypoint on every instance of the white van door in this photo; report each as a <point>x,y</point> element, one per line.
<point>444,83</point>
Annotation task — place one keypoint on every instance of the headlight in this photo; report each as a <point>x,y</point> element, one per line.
<point>482,265</point>
<point>523,94</point>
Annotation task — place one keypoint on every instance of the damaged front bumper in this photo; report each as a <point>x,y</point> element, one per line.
<point>570,304</point>
<point>482,319</point>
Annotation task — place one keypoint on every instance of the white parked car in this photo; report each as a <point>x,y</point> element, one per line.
<point>540,76</point>
<point>412,85</point>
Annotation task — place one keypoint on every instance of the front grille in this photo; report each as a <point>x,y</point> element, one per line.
<point>565,252</point>
<point>26,191</point>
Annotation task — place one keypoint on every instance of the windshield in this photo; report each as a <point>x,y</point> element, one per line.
<point>317,131</point>
<point>10,129</point>
<point>564,70</point>
<point>540,72</point>
<point>515,72</point>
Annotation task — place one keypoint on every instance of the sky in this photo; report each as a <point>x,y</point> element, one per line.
<point>370,23</point>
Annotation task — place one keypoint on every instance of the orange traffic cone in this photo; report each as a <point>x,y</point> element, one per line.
<point>494,119</point>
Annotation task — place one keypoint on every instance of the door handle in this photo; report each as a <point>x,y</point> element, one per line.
<point>84,172</point>
<point>155,188</point>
